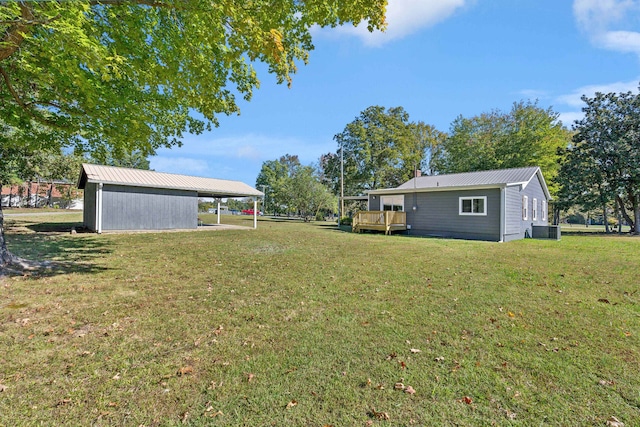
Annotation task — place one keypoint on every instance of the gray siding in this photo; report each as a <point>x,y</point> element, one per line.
<point>513,215</point>
<point>533,190</point>
<point>374,202</point>
<point>515,226</point>
<point>89,210</point>
<point>437,214</point>
<point>135,208</point>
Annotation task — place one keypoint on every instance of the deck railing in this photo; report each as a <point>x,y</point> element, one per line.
<point>386,221</point>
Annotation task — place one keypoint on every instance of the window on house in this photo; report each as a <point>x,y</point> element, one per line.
<point>534,210</point>
<point>525,207</point>
<point>473,205</point>
<point>544,210</point>
<point>392,203</point>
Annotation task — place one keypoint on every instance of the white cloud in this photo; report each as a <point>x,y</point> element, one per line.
<point>250,146</point>
<point>604,21</point>
<point>574,100</point>
<point>569,118</point>
<point>234,157</point>
<point>404,17</point>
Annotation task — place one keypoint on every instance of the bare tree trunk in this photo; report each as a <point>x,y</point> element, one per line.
<point>29,205</point>
<point>624,213</point>
<point>636,215</point>
<point>50,196</point>
<point>606,219</point>
<point>5,255</point>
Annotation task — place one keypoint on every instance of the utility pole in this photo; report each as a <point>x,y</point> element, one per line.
<point>341,210</point>
<point>264,200</point>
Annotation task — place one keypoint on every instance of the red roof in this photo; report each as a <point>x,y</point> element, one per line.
<point>42,189</point>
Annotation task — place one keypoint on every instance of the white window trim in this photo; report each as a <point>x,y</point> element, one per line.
<point>534,210</point>
<point>525,208</point>
<point>544,210</point>
<point>460,199</point>
<point>394,198</point>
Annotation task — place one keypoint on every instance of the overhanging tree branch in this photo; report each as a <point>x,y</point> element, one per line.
<point>14,36</point>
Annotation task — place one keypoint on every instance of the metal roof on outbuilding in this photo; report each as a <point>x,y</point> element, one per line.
<point>454,181</point>
<point>206,187</point>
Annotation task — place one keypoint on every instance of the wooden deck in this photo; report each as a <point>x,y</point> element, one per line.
<point>386,221</point>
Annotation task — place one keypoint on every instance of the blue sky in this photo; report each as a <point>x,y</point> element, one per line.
<point>438,59</point>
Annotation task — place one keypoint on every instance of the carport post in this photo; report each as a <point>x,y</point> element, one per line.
<point>255,213</point>
<point>218,212</point>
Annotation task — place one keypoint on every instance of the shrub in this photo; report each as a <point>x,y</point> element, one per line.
<point>346,220</point>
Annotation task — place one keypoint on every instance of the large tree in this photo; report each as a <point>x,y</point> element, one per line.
<point>381,148</point>
<point>130,73</point>
<point>308,195</point>
<point>528,135</point>
<point>602,166</point>
<point>273,180</point>
<point>136,74</point>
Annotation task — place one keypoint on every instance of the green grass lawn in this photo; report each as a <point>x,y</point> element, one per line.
<point>298,324</point>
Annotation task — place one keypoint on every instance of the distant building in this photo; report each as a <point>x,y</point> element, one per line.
<point>133,199</point>
<point>38,194</point>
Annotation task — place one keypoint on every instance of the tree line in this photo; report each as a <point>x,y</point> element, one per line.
<point>593,166</point>
<point>383,148</point>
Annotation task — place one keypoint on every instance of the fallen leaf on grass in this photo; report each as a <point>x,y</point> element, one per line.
<point>112,404</point>
<point>186,370</point>
<point>2,388</point>
<point>511,314</point>
<point>292,404</point>
<point>63,402</point>
<point>208,412</point>
<point>250,377</point>
<point>218,330</point>
<point>606,383</point>
<point>614,422</point>
<point>415,350</point>
<point>398,386</point>
<point>379,415</point>
<point>466,400</point>
<point>410,390</point>
<point>116,377</point>
<point>604,300</point>
<point>23,322</point>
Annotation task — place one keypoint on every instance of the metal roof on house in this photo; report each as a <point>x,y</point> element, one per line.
<point>487,179</point>
<point>206,187</point>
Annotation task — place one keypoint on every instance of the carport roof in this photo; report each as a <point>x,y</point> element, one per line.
<point>206,187</point>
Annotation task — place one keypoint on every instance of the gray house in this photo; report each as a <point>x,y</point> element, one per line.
<point>497,205</point>
<point>134,199</point>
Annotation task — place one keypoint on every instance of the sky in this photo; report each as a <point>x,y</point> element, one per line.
<point>438,59</point>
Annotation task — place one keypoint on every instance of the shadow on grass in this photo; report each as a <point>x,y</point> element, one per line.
<point>58,253</point>
<point>54,227</point>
